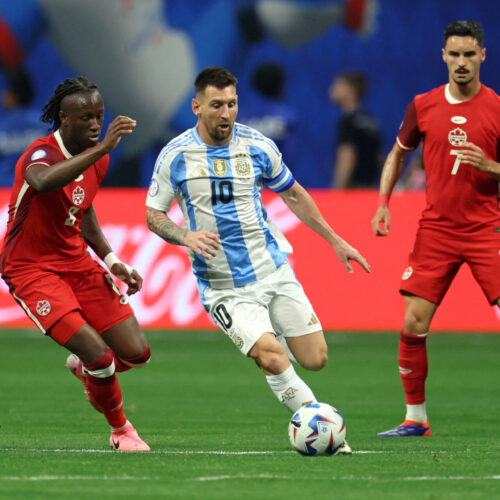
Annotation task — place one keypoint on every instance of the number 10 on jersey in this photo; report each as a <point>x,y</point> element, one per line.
<point>221,191</point>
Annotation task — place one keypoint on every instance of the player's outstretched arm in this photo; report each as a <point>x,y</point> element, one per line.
<point>393,168</point>
<point>45,179</point>
<point>92,233</point>
<point>203,242</point>
<point>303,206</point>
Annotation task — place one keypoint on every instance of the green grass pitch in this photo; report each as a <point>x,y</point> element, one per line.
<point>216,431</point>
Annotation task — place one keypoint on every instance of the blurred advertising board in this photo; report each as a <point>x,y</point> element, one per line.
<point>343,301</point>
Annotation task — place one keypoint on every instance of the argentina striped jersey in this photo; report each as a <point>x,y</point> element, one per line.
<point>219,189</point>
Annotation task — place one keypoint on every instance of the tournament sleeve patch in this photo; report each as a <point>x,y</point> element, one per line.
<point>38,155</point>
<point>154,187</point>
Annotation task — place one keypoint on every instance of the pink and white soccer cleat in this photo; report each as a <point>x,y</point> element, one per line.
<point>127,440</point>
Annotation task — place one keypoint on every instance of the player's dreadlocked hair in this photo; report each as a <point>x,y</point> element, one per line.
<point>70,86</point>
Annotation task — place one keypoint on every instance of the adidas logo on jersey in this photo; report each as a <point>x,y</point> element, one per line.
<point>313,320</point>
<point>197,171</point>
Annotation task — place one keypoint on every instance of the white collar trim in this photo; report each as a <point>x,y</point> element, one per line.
<point>66,153</point>
<point>449,97</point>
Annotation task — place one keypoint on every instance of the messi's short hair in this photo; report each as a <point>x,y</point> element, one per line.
<point>216,76</point>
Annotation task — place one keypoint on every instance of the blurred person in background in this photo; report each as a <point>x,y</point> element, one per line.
<point>20,123</point>
<point>459,124</point>
<point>45,261</point>
<point>216,171</point>
<point>359,138</point>
<point>266,110</point>
<point>132,36</point>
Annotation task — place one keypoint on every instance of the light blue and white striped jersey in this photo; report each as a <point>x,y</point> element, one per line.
<point>219,189</point>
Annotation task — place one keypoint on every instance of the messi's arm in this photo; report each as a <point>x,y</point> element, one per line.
<point>202,242</point>
<point>303,206</point>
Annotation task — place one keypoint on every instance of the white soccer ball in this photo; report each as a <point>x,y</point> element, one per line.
<point>316,429</point>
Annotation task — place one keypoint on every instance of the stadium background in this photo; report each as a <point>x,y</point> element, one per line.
<point>400,58</point>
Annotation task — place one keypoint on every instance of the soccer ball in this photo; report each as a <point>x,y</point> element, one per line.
<point>316,429</point>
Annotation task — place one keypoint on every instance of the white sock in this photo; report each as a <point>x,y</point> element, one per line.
<point>416,413</point>
<point>290,389</point>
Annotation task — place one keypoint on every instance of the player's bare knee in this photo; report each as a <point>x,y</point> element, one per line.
<point>320,360</point>
<point>314,361</point>
<point>415,325</point>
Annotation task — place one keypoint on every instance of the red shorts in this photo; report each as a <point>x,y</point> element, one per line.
<point>47,296</point>
<point>437,257</point>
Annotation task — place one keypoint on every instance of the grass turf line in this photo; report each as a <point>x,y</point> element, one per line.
<point>199,395</point>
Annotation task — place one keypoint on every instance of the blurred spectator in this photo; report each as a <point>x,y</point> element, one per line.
<point>266,110</point>
<point>359,142</point>
<point>20,124</point>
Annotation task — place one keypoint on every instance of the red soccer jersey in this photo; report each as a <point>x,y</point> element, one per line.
<point>459,198</point>
<point>43,228</point>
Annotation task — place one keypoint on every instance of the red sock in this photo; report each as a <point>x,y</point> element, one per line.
<point>124,364</point>
<point>106,391</point>
<point>413,366</point>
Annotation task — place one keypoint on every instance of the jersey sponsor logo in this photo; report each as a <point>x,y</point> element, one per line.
<point>220,167</point>
<point>457,137</point>
<point>43,307</point>
<point>79,178</point>
<point>38,154</point>
<point>408,272</point>
<point>78,195</point>
<point>154,188</point>
<point>458,119</point>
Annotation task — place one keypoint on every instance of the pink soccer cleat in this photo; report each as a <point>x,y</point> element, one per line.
<point>127,440</point>
<point>75,366</point>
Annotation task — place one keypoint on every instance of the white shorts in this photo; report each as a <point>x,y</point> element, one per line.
<point>276,304</point>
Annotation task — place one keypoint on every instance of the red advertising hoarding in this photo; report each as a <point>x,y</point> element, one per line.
<point>343,301</point>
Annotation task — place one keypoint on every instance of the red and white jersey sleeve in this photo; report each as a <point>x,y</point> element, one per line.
<point>43,228</point>
<point>459,198</point>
